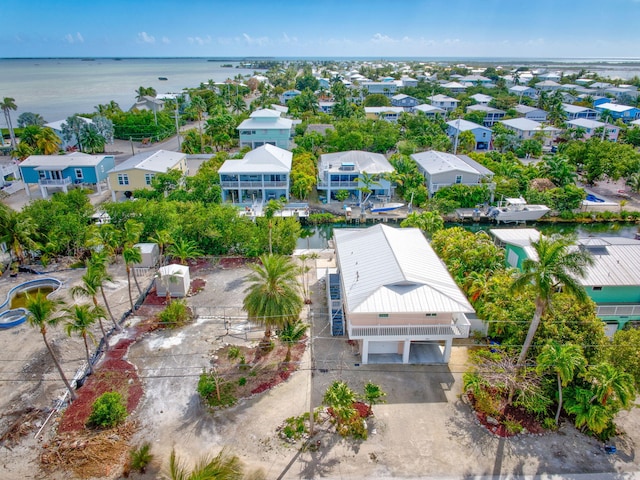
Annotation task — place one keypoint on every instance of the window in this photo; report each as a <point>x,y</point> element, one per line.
<point>597,289</point>
<point>79,174</point>
<point>42,175</point>
<point>383,315</point>
<point>430,314</point>
<point>458,178</point>
<point>123,179</point>
<point>148,177</point>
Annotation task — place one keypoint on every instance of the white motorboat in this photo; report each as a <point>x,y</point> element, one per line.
<point>386,207</point>
<point>514,210</point>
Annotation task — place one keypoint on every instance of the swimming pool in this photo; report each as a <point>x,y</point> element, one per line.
<point>11,317</point>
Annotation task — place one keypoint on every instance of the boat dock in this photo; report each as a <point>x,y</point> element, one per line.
<point>472,214</point>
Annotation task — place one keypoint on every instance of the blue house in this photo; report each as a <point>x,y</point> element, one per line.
<point>57,129</point>
<point>288,95</point>
<point>265,126</point>
<point>62,171</point>
<point>482,134</point>
<point>612,282</point>
<point>405,101</point>
<point>619,112</point>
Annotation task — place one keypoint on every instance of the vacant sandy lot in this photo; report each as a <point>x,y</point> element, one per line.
<point>423,431</point>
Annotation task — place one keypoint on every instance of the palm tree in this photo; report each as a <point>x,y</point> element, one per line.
<point>17,231</point>
<point>611,385</point>
<point>238,105</point>
<point>132,255</point>
<point>221,467</point>
<point>341,399</point>
<point>47,142</point>
<point>273,296</point>
<point>199,107</point>
<point>162,238</point>
<point>7,105</point>
<point>184,250</point>
<point>270,210</point>
<point>566,361</point>
<point>290,333</point>
<point>41,314</point>
<point>98,269</point>
<point>80,319</point>
<point>556,267</point>
<point>368,181</point>
<point>89,288</point>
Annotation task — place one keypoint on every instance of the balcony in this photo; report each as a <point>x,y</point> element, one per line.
<point>252,184</point>
<point>55,182</point>
<point>337,185</point>
<point>619,310</point>
<point>458,328</point>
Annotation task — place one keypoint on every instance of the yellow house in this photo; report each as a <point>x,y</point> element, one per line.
<point>137,172</point>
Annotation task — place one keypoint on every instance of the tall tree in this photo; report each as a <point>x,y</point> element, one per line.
<point>29,118</point>
<point>273,296</point>
<point>291,333</point>
<point>80,318</point>
<point>42,314</point>
<point>89,288</point>
<point>270,210</point>
<point>565,360</point>
<point>7,105</point>
<point>557,266</point>
<point>221,467</point>
<point>47,142</point>
<point>131,255</point>
<point>17,231</point>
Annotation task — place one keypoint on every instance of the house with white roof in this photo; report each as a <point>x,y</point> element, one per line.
<point>594,128</point>
<point>262,175</point>
<point>387,89</point>
<point>481,98</point>
<point>635,123</point>
<point>612,282</point>
<point>526,129</point>
<point>444,101</point>
<point>547,86</point>
<point>288,95</point>
<point>63,171</point>
<point>398,299</point>
<point>429,110</point>
<point>523,91</point>
<point>441,169</point>
<point>481,133</point>
<point>389,114</point>
<point>577,111</point>
<point>137,172</point>
<point>265,126</point>
<point>491,115</point>
<point>405,101</point>
<point>474,80</point>
<point>455,87</point>
<point>148,103</point>
<point>531,113</point>
<point>57,129</point>
<point>345,171</point>
<point>619,112</point>
<point>629,91</point>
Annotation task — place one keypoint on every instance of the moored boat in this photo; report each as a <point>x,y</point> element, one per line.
<point>386,207</point>
<point>514,210</point>
<point>163,78</point>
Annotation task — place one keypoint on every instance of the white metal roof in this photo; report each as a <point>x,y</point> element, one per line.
<point>521,237</point>
<point>57,125</point>
<point>434,162</point>
<point>614,107</point>
<point>75,159</point>
<point>567,107</point>
<point>483,108</point>
<point>264,159</point>
<point>586,123</point>
<point>464,125</point>
<point>160,161</point>
<point>523,124</point>
<point>617,262</point>
<point>394,270</point>
<point>443,98</point>
<point>369,162</point>
<point>426,108</point>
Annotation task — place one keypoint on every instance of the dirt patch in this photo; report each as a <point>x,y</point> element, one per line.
<point>21,423</point>
<point>114,374</point>
<point>252,372</point>
<point>508,414</point>
<point>234,262</point>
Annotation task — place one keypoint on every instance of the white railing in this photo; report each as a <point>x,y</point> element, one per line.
<point>252,184</point>
<point>459,328</point>
<point>337,184</point>
<point>618,310</point>
<point>55,182</point>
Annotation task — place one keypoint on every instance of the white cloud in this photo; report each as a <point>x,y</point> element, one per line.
<point>80,37</point>
<point>69,38</point>
<point>144,37</point>
<point>260,41</point>
<point>199,40</point>
<point>287,39</point>
<point>379,38</point>
<point>166,40</point>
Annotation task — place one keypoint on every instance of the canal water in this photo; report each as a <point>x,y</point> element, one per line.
<point>318,237</point>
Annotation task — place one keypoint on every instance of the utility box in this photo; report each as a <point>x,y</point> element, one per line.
<point>175,278</point>
<point>150,254</point>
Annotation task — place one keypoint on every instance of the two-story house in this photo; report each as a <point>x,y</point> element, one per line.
<point>481,133</point>
<point>429,110</point>
<point>441,169</point>
<point>531,113</point>
<point>262,175</point>
<point>444,102</point>
<point>576,111</point>
<point>384,88</point>
<point>619,112</point>
<point>405,101</point>
<point>137,172</point>
<point>526,129</point>
<point>288,95</point>
<point>265,126</point>
<point>389,114</point>
<point>396,297</point>
<point>491,115</point>
<point>346,170</point>
<point>481,98</point>
<point>523,91</point>
<point>62,171</point>
<point>592,128</point>
<point>57,129</point>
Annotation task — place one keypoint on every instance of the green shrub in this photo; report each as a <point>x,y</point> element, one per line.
<point>513,426</point>
<point>108,410</point>
<point>242,382</point>
<point>233,353</point>
<point>139,458</point>
<point>487,403</point>
<point>321,218</point>
<point>549,423</point>
<point>295,427</point>
<point>215,391</point>
<point>176,314</point>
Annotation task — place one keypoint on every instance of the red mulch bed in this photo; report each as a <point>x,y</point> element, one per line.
<point>113,374</point>
<point>234,262</point>
<point>508,412</point>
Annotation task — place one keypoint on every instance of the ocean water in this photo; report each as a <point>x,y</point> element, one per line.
<point>57,88</point>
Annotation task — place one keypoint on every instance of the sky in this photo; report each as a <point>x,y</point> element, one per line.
<point>325,28</point>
